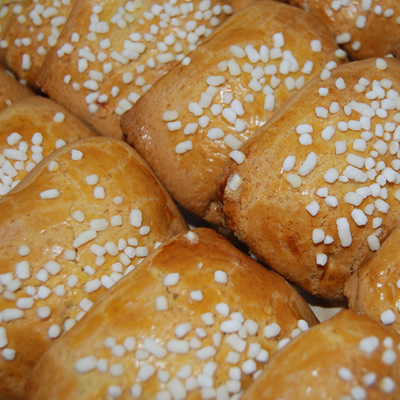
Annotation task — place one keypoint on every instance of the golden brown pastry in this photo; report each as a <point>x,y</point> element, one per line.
<point>6,11</point>
<point>317,191</point>
<point>238,78</point>
<point>83,218</point>
<point>197,319</point>
<point>374,289</point>
<point>364,28</point>
<point>396,49</point>
<point>110,53</point>
<point>10,89</point>
<point>348,357</point>
<point>29,29</point>
<point>30,129</point>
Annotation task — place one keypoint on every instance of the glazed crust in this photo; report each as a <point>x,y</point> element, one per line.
<point>65,263</point>
<point>374,289</point>
<point>396,49</point>
<point>119,79</point>
<point>129,310</point>
<point>52,125</point>
<point>376,33</point>
<point>264,200</point>
<point>10,89</point>
<point>327,362</point>
<point>189,176</point>
<point>31,29</point>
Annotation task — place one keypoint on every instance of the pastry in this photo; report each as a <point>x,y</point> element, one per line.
<point>198,115</point>
<point>197,319</point>
<point>88,214</point>
<point>30,129</point>
<point>374,289</point>
<point>317,192</point>
<point>110,53</point>
<point>347,357</point>
<point>364,28</point>
<point>10,89</point>
<point>29,29</point>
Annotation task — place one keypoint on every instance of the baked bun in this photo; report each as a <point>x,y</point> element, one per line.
<point>30,130</point>
<point>84,217</point>
<point>29,30</point>
<point>364,28</point>
<point>347,357</point>
<point>10,89</point>
<point>110,53</point>
<point>374,289</point>
<point>239,77</point>
<point>197,319</point>
<point>317,192</point>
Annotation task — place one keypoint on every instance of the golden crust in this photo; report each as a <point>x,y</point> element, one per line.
<point>328,362</point>
<point>129,310</point>
<point>396,49</point>
<point>103,74</point>
<point>5,16</point>
<point>60,253</point>
<point>189,174</point>
<point>43,126</point>
<point>10,89</point>
<point>363,33</point>
<point>30,31</point>
<point>374,289</point>
<point>314,223</point>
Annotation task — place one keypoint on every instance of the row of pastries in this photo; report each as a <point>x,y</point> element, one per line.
<point>181,182</point>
